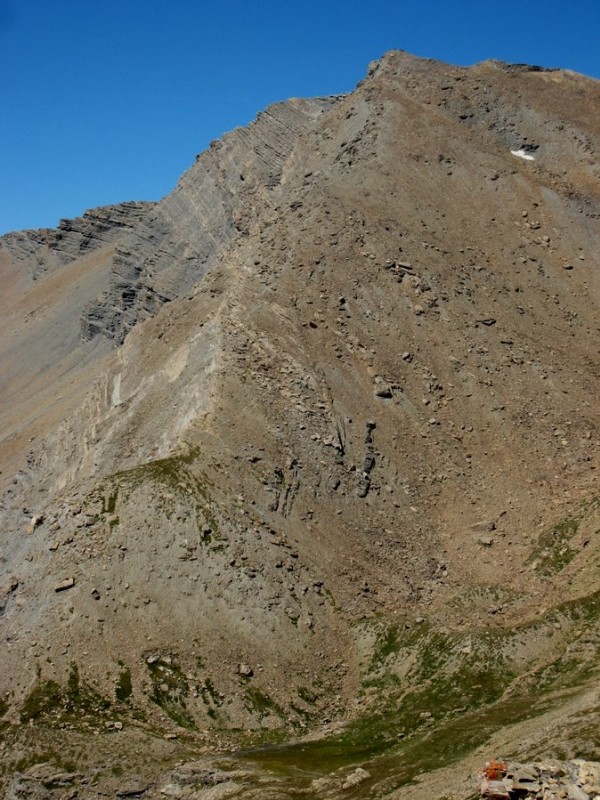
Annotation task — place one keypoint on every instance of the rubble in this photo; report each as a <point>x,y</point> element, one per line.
<point>545,780</point>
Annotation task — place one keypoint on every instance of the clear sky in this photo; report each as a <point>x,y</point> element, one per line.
<point>105,100</point>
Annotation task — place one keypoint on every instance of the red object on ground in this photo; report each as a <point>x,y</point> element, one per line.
<point>494,770</point>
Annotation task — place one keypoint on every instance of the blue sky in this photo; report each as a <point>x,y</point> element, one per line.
<point>106,101</point>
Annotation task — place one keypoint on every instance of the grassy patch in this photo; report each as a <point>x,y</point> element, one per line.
<point>448,699</point>
<point>553,551</point>
<point>45,698</point>
<point>111,501</point>
<point>387,642</point>
<point>210,698</point>
<point>124,688</point>
<point>481,597</point>
<point>260,703</point>
<point>174,474</point>
<point>307,695</point>
<point>78,701</point>
<point>51,757</point>
<point>169,691</point>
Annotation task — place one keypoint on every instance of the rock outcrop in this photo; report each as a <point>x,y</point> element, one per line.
<point>222,196</point>
<point>569,780</point>
<point>49,249</point>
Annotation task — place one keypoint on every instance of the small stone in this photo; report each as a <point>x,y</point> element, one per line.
<point>34,523</point>
<point>576,793</point>
<point>525,775</point>
<point>484,526</point>
<point>494,789</point>
<point>358,776</point>
<point>63,585</point>
<point>245,670</point>
<point>171,789</point>
<point>133,788</point>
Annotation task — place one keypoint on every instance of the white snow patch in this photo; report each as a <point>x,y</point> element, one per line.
<point>522,154</point>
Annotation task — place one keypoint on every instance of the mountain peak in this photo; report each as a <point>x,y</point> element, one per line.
<point>310,445</point>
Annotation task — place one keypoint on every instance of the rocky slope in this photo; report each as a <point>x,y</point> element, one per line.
<point>216,200</point>
<point>333,461</point>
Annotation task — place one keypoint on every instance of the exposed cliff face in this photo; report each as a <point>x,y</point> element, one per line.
<point>370,400</point>
<point>222,196</point>
<point>48,249</point>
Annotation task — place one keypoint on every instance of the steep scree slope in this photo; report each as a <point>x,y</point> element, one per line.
<point>348,470</point>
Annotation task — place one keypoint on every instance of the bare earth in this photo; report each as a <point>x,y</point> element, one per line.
<point>306,453</point>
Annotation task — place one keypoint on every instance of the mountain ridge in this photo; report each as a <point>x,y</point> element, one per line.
<point>353,457</point>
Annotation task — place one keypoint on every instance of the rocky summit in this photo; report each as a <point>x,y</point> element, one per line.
<point>298,465</point>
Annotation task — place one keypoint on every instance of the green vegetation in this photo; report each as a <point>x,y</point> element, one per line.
<point>440,695</point>
<point>426,676</point>
<point>4,706</point>
<point>173,473</point>
<point>45,698</point>
<point>210,698</point>
<point>553,550</point>
<point>111,501</point>
<point>482,596</point>
<point>387,643</point>
<point>169,690</point>
<point>307,695</point>
<point>433,695</point>
<point>430,695</point>
<point>124,688</point>
<point>49,701</point>
<point>260,703</point>
<point>56,759</point>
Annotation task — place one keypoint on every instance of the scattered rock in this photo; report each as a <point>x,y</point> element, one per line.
<point>572,780</point>
<point>34,523</point>
<point>171,790</point>
<point>68,583</point>
<point>358,776</point>
<point>133,788</point>
<point>485,526</point>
